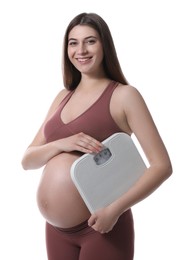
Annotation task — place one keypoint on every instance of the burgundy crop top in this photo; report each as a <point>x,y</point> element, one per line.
<point>96,121</point>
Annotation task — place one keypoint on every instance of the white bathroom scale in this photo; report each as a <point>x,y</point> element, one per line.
<point>103,177</point>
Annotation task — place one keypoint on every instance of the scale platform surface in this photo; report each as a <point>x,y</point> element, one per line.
<point>102,178</point>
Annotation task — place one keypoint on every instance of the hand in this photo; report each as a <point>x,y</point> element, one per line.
<point>103,220</point>
<point>79,142</point>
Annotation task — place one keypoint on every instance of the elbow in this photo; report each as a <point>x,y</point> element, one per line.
<point>24,164</point>
<point>27,161</point>
<point>28,164</point>
<point>168,170</point>
<point>164,170</point>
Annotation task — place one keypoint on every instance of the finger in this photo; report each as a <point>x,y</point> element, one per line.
<point>92,220</point>
<point>90,143</point>
<point>94,144</point>
<point>83,149</point>
<point>89,139</point>
<point>93,140</point>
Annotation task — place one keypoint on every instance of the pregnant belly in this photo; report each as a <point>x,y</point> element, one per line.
<point>57,197</point>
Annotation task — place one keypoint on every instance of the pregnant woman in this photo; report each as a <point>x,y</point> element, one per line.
<point>96,102</point>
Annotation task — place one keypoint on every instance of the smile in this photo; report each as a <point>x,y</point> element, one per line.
<point>83,59</point>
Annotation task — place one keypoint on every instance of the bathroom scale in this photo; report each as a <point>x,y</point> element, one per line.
<point>103,177</point>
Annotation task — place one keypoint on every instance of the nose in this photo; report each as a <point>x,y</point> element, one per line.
<point>82,49</point>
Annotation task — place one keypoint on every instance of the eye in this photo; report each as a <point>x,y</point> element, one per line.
<point>72,43</point>
<point>91,41</point>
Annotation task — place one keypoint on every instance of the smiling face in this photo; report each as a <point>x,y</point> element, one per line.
<point>85,50</point>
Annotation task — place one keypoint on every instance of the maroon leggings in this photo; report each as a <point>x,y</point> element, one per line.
<point>84,243</point>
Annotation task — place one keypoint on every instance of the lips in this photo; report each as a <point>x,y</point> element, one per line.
<point>83,59</point>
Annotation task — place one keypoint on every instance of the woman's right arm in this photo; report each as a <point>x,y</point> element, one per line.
<point>39,152</point>
<point>37,155</point>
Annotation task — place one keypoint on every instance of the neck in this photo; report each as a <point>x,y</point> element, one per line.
<point>88,81</point>
<point>93,84</point>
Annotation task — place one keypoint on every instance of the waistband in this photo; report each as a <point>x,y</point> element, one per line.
<point>74,229</point>
<point>84,227</point>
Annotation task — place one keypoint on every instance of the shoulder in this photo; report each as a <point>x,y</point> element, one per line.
<point>57,100</point>
<point>126,89</point>
<point>60,96</point>
<point>128,93</point>
<point>131,100</point>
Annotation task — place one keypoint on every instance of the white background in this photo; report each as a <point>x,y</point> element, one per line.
<point>153,42</point>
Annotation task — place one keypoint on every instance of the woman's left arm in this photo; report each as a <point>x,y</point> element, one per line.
<point>139,120</point>
<point>142,125</point>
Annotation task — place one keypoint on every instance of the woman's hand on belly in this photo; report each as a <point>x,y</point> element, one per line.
<point>79,142</point>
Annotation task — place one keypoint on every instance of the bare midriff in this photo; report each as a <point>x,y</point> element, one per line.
<point>58,199</point>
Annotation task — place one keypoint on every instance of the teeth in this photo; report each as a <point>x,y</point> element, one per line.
<point>83,59</point>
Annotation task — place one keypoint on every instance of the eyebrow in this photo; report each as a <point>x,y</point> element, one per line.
<point>86,38</point>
